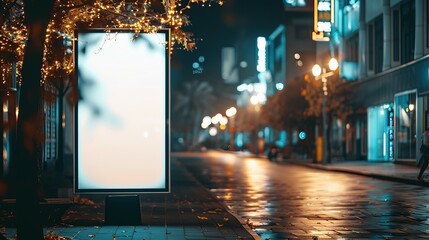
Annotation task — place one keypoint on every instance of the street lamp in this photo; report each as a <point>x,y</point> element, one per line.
<point>206,122</point>
<point>257,101</point>
<point>321,73</point>
<point>218,121</point>
<point>230,112</point>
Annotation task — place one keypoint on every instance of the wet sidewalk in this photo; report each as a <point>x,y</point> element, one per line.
<point>397,172</point>
<point>381,170</point>
<point>190,211</point>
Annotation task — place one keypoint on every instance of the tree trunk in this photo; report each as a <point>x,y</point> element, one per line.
<point>12,124</point>
<point>29,137</point>
<point>188,132</point>
<point>59,166</point>
<point>196,129</point>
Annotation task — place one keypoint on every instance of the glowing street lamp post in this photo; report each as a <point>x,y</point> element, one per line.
<point>215,121</point>
<point>230,112</point>
<point>222,121</point>
<point>320,73</point>
<point>257,101</point>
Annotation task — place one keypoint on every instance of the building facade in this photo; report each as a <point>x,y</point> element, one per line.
<point>383,49</point>
<point>9,95</point>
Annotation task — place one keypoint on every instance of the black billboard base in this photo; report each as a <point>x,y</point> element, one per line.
<point>123,210</point>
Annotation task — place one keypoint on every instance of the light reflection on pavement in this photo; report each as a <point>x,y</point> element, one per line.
<point>281,201</point>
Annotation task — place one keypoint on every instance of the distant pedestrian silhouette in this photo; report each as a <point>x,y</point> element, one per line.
<point>424,150</point>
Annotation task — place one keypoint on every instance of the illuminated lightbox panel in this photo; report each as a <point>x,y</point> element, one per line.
<point>122,115</point>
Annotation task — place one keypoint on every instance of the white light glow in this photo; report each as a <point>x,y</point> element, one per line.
<point>223,120</point>
<point>213,131</point>
<point>297,56</point>
<point>384,144</point>
<point>316,70</point>
<point>207,119</point>
<point>261,97</point>
<point>324,26</point>
<point>260,87</point>
<point>254,100</point>
<point>217,118</point>
<point>333,64</point>
<point>231,111</point>
<point>121,121</point>
<point>242,87</point>
<point>261,44</point>
<point>324,6</point>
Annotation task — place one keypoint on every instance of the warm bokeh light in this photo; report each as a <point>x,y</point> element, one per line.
<point>213,131</point>
<point>254,100</point>
<point>231,111</point>
<point>140,16</point>
<point>207,119</point>
<point>333,64</point>
<point>217,118</point>
<point>316,70</point>
<point>223,120</point>
<point>206,122</point>
<point>261,97</point>
<point>257,99</point>
<point>297,56</point>
<point>204,125</point>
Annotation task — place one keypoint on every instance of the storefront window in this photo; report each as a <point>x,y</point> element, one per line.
<point>5,135</point>
<point>405,112</point>
<point>380,133</point>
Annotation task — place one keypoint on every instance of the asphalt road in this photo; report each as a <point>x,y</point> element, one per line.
<point>282,201</point>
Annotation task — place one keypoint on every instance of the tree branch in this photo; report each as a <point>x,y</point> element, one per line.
<point>83,4</point>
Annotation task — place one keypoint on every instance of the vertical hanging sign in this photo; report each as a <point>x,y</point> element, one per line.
<point>323,19</point>
<point>122,113</point>
<point>390,127</point>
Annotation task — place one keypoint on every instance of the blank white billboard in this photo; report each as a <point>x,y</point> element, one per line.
<point>122,114</point>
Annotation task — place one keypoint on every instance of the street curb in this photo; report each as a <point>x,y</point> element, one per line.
<point>239,219</point>
<point>372,175</point>
<point>242,222</point>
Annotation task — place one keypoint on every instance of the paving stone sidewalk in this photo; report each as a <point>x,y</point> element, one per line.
<point>189,212</point>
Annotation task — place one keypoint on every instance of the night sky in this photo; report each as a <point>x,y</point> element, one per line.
<point>224,26</point>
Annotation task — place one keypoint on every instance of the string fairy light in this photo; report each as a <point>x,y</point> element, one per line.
<point>68,15</point>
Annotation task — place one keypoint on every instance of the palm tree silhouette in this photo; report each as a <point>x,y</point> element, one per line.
<point>190,103</point>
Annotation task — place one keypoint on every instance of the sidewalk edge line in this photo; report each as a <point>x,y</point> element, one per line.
<point>373,175</point>
<point>239,219</point>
